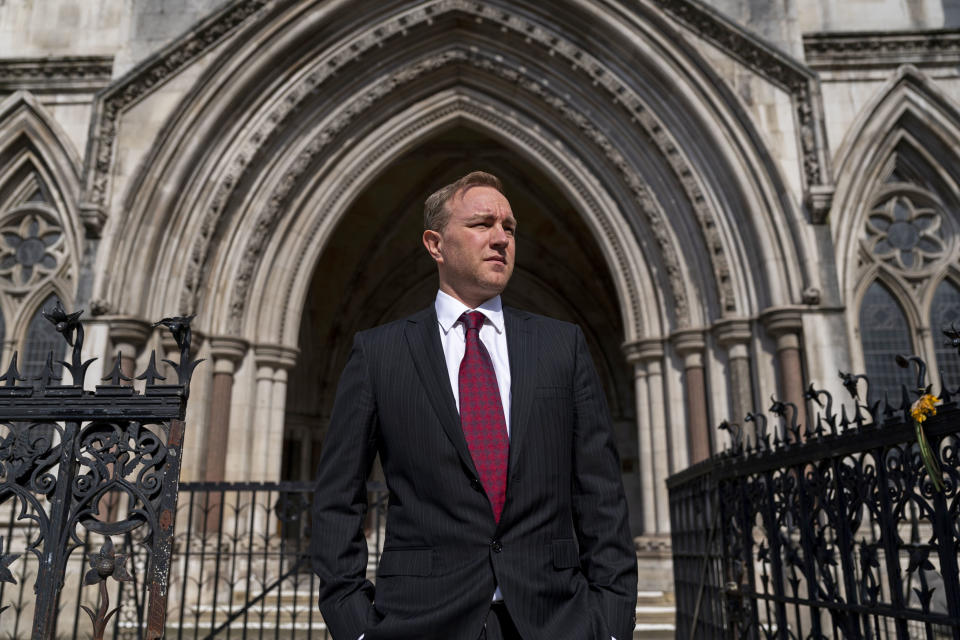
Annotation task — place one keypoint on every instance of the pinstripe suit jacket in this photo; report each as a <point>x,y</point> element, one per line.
<point>561,553</point>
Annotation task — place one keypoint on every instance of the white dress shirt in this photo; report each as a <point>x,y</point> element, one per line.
<point>492,334</point>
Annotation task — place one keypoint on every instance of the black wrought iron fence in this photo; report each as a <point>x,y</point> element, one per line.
<point>239,568</point>
<point>837,529</point>
<point>83,475</point>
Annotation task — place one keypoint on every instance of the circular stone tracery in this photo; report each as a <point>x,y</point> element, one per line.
<point>31,250</point>
<point>904,230</point>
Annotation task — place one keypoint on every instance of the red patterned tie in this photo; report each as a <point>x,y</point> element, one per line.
<point>481,414</point>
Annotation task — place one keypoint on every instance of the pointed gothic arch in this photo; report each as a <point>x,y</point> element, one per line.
<point>720,203</point>
<point>899,166</point>
<point>26,121</point>
<point>908,110</point>
<point>303,237</point>
<point>39,222</point>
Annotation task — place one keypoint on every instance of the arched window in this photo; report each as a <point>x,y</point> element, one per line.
<point>42,338</point>
<point>945,311</point>
<point>884,333</point>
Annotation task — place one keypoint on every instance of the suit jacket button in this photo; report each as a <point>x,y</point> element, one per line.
<point>475,485</point>
<point>496,546</point>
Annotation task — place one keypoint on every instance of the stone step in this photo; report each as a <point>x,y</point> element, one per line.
<point>655,615</point>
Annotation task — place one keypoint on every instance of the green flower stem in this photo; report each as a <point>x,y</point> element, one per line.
<point>929,459</point>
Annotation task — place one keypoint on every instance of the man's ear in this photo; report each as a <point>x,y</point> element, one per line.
<point>432,240</point>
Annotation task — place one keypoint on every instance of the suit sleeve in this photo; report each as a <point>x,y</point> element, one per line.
<point>338,547</point>
<point>607,555</point>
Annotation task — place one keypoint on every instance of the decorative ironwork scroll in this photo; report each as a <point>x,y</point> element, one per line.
<point>81,468</point>
<point>835,529</point>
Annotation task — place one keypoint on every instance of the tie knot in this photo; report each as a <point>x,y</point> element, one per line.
<point>472,320</point>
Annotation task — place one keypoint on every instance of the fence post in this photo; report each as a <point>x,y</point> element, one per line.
<point>53,560</point>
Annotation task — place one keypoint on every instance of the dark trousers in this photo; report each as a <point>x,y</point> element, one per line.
<point>499,625</point>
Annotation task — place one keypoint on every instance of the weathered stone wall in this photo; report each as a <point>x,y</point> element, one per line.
<point>783,22</point>
<point>131,30</point>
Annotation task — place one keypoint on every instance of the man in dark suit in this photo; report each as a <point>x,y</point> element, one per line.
<point>507,517</point>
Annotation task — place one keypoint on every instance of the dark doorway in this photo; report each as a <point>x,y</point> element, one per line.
<point>374,269</point>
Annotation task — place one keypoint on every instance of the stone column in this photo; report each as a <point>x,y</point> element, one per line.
<point>644,437</point>
<point>734,335</point>
<point>128,336</point>
<point>225,352</point>
<point>646,357</point>
<point>273,362</point>
<point>656,395</point>
<point>785,325</point>
<point>690,345</point>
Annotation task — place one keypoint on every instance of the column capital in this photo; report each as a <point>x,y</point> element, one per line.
<point>640,351</point>
<point>688,341</point>
<point>128,330</point>
<point>275,356</point>
<point>732,331</point>
<point>228,348</point>
<point>781,320</point>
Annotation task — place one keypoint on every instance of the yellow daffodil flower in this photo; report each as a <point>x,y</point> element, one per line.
<point>922,409</point>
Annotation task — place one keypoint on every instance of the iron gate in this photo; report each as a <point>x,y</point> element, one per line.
<point>88,478</point>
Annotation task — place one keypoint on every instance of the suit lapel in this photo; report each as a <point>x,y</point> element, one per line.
<point>423,339</point>
<point>522,351</point>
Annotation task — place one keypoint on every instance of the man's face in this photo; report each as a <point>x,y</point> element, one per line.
<point>475,250</point>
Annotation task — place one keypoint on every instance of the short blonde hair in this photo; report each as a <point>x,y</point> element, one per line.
<point>435,211</point>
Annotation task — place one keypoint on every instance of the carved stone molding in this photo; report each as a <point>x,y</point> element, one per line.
<point>881,50</point>
<point>275,356</point>
<point>228,348</point>
<point>226,352</point>
<point>93,218</point>
<point>556,45</point>
<point>782,320</point>
<point>791,75</point>
<point>516,132</point>
<point>70,73</point>
<point>688,342</point>
<point>785,324</point>
<point>129,330</point>
<point>732,332</point>
<point>138,83</point>
<point>643,350</point>
<point>99,307</point>
<point>277,201</point>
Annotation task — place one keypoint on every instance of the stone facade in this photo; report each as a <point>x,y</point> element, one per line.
<point>714,191</point>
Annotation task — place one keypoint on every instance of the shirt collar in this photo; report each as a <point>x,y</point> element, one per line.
<point>449,310</point>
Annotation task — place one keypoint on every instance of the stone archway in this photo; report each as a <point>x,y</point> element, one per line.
<point>249,180</point>
<point>373,269</point>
